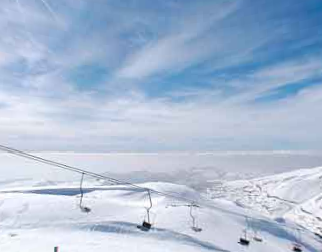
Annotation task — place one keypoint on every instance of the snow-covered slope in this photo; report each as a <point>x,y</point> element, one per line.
<point>296,196</point>
<point>37,219</point>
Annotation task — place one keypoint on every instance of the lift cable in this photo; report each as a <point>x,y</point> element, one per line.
<point>23,154</point>
<point>174,195</point>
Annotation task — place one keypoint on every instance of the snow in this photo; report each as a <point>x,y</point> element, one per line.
<point>295,196</point>
<point>36,219</point>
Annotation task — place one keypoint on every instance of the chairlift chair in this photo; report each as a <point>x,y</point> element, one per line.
<point>146,225</point>
<point>84,209</point>
<point>194,225</point>
<point>196,229</point>
<point>243,240</point>
<point>256,237</point>
<point>297,247</point>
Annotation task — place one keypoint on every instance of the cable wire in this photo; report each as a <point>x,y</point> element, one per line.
<point>26,155</point>
<point>175,195</point>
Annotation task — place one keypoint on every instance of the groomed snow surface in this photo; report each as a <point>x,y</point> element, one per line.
<point>37,219</point>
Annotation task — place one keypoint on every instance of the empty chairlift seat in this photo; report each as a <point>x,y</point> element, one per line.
<point>297,247</point>
<point>194,224</point>
<point>244,241</point>
<point>146,225</point>
<point>258,239</point>
<point>84,209</point>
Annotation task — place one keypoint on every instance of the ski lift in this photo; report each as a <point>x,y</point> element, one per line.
<point>256,236</point>
<point>146,225</point>
<point>194,225</point>
<point>297,247</point>
<point>243,240</point>
<point>84,209</point>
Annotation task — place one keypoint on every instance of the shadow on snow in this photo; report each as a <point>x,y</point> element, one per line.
<point>118,227</point>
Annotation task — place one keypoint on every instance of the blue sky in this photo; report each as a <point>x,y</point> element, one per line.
<point>168,75</point>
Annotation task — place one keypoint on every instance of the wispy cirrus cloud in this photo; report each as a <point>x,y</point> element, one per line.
<point>182,46</point>
<point>84,75</point>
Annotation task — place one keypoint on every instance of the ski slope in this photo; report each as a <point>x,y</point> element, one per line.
<point>36,219</point>
<point>295,196</point>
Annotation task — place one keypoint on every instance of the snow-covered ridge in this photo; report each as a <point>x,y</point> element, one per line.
<point>39,218</point>
<point>295,195</point>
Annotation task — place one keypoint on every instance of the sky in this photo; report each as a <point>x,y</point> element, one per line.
<point>160,76</point>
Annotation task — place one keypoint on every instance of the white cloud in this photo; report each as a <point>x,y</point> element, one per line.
<point>180,47</point>
<point>40,108</point>
<point>264,80</point>
<point>138,123</point>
